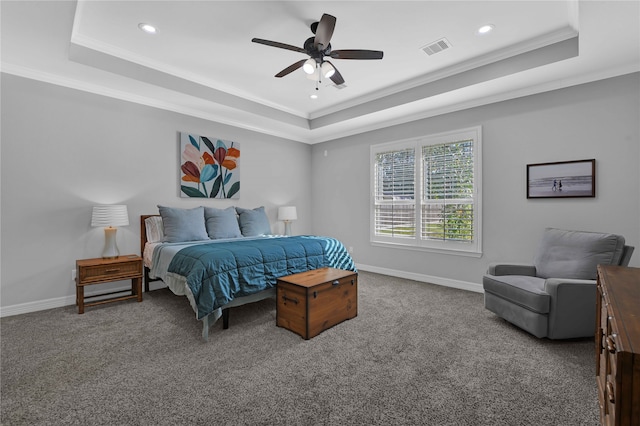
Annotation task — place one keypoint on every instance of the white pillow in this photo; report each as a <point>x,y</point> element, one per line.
<point>155,233</point>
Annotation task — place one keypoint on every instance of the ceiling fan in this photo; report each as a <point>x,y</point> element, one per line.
<point>319,47</point>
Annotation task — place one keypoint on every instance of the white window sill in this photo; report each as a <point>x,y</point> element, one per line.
<point>449,251</point>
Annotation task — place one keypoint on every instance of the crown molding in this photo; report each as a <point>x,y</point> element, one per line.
<point>544,40</point>
<point>390,117</point>
<point>246,121</point>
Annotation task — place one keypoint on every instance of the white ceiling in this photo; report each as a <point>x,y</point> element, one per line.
<point>202,61</point>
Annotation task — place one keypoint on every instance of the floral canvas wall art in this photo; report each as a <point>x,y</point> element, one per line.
<point>209,169</point>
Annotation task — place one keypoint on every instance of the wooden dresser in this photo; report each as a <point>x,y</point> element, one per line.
<point>617,341</point>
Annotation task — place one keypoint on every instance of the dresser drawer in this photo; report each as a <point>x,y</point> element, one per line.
<point>610,395</point>
<point>611,347</point>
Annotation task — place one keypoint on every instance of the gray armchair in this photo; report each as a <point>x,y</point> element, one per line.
<point>556,296</point>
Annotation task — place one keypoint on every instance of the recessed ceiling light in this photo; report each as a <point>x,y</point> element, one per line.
<point>485,29</point>
<point>147,28</point>
<point>313,96</point>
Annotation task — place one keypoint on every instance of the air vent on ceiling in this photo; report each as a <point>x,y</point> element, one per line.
<point>436,46</point>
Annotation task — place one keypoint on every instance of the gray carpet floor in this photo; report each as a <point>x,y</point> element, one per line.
<point>416,354</point>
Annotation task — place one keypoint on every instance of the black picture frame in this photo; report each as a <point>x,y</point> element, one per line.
<point>562,179</point>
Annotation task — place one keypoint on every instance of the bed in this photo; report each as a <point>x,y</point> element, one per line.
<point>221,273</point>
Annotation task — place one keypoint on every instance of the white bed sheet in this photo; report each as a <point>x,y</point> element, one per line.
<point>147,254</point>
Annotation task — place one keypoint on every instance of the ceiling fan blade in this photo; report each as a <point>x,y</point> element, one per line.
<point>356,54</point>
<point>336,77</point>
<point>291,68</point>
<point>278,44</point>
<point>325,30</point>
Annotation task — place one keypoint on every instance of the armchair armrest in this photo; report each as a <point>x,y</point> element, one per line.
<point>573,307</point>
<point>497,269</point>
<point>553,285</point>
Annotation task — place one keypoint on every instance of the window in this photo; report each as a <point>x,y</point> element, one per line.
<point>426,192</point>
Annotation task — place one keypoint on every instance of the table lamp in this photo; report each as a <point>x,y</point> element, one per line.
<point>110,217</point>
<point>287,214</point>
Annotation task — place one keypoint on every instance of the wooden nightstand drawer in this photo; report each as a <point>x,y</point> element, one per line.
<point>95,273</point>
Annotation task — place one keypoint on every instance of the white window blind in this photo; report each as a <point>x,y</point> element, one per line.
<point>395,193</point>
<point>426,192</point>
<point>448,191</point>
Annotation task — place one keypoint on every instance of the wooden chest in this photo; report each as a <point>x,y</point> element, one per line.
<point>310,302</point>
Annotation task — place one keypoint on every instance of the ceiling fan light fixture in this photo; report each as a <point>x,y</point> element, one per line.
<point>309,66</point>
<point>328,70</point>
<point>317,48</point>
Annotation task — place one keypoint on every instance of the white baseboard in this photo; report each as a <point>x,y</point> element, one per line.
<point>59,302</point>
<point>40,305</point>
<point>445,282</point>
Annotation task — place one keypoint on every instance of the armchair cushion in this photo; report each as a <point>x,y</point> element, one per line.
<point>575,254</point>
<point>524,291</point>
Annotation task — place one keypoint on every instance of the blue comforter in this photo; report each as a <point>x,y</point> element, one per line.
<point>218,272</point>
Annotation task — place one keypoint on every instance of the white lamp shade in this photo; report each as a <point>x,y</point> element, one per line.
<point>328,70</point>
<point>110,216</point>
<point>309,66</point>
<point>287,213</point>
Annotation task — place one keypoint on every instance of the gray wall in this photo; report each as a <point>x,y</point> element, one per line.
<point>65,150</point>
<point>598,120</point>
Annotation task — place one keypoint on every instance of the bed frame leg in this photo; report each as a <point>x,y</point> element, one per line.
<point>225,318</point>
<point>146,279</point>
<point>205,328</point>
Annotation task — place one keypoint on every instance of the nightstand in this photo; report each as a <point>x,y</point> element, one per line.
<point>100,271</point>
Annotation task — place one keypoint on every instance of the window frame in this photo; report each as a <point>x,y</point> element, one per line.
<point>474,248</point>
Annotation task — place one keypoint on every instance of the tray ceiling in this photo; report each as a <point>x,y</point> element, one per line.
<point>202,61</point>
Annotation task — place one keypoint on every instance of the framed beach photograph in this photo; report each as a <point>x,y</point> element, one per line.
<point>564,179</point>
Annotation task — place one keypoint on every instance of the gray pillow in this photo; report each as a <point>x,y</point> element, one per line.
<point>222,223</point>
<point>183,224</point>
<point>253,222</point>
<point>575,254</point>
